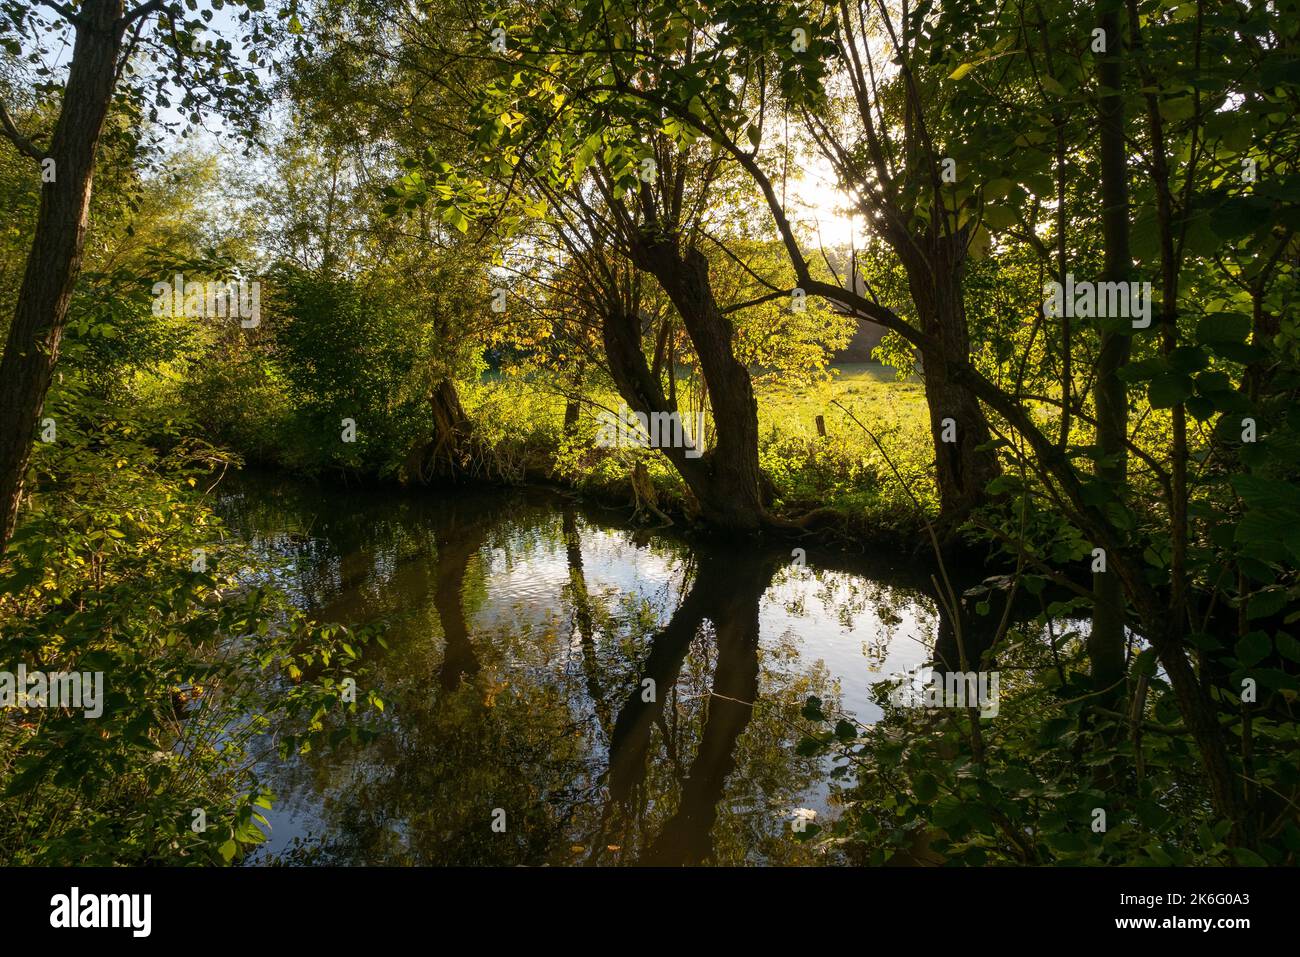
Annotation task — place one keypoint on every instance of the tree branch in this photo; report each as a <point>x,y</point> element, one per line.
<point>24,145</point>
<point>64,10</point>
<point>780,293</point>
<point>142,11</point>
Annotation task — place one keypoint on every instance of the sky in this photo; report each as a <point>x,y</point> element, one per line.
<point>819,205</point>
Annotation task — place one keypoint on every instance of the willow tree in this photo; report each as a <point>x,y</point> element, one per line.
<point>644,197</point>
<point>896,150</point>
<point>1193,370</point>
<point>622,196</point>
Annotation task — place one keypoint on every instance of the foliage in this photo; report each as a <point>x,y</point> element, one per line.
<point>120,568</point>
<point>474,206</point>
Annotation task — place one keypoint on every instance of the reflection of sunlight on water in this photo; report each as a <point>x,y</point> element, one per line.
<point>885,635</point>
<point>881,635</point>
<point>863,632</point>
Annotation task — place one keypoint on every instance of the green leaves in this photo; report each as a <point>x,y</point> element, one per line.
<point>925,786</point>
<point>812,709</point>
<point>453,217</point>
<point>105,564</point>
<point>1169,389</point>
<point>1221,327</point>
<point>1000,217</point>
<point>1253,648</point>
<point>1267,493</point>
<point>1245,857</point>
<point>810,745</point>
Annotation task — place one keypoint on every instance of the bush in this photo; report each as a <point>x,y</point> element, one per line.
<point>119,567</point>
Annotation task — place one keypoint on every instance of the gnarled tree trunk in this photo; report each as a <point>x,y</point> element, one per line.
<point>450,451</point>
<point>726,480</point>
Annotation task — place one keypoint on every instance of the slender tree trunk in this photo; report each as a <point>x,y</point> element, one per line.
<point>573,405</point>
<point>1264,329</point>
<point>629,742</point>
<point>1198,709</point>
<point>583,618</point>
<point>54,261</point>
<point>1106,642</point>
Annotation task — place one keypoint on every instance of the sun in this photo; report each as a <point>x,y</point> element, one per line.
<point>820,209</point>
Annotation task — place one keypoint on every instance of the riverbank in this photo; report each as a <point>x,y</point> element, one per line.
<point>822,468</point>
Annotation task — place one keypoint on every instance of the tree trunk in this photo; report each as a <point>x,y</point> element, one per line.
<point>449,453</point>
<point>962,468</point>
<point>584,621</point>
<point>728,482</point>
<point>457,546</point>
<point>1106,642</point>
<point>686,838</point>
<point>54,261</point>
<point>726,590</point>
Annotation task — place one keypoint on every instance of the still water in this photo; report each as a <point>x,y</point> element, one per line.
<point>522,629</point>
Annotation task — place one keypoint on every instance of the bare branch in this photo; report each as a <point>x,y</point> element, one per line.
<point>780,293</point>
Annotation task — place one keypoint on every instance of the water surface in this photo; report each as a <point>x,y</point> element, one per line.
<point>610,694</point>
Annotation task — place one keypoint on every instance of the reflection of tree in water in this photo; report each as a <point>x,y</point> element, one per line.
<point>671,760</point>
<point>901,604</point>
<point>727,594</point>
<point>584,622</point>
<point>545,720</point>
